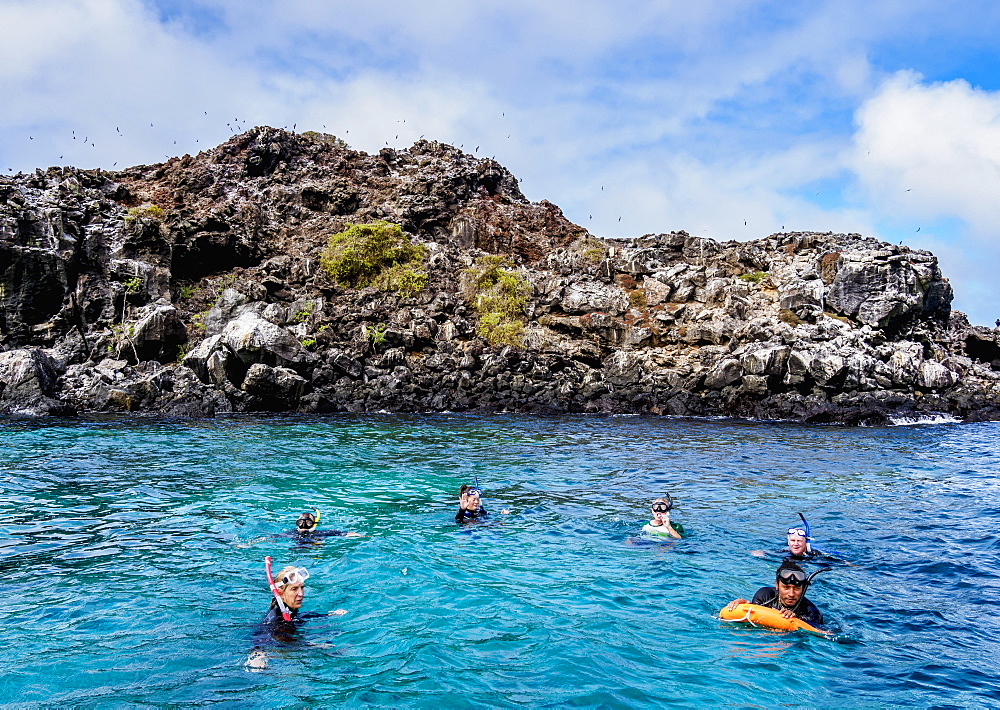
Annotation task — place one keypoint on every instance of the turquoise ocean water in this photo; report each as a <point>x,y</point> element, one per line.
<point>132,553</point>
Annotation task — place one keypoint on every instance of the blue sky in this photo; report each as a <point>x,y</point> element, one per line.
<point>878,117</point>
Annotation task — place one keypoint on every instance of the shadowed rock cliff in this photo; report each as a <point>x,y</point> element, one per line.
<point>194,287</point>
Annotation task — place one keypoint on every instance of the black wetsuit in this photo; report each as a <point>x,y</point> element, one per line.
<point>314,534</point>
<point>815,556</point>
<point>805,609</point>
<point>274,629</point>
<point>464,516</point>
<point>306,538</point>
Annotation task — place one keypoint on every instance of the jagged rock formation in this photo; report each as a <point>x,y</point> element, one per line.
<point>192,287</point>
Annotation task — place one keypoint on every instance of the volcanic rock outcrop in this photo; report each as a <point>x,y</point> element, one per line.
<point>194,288</point>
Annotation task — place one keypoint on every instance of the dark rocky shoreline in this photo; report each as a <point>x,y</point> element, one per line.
<point>193,288</point>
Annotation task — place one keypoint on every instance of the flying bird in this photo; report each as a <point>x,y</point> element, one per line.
<point>918,229</point>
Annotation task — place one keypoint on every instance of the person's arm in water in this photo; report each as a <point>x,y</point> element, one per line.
<point>325,533</point>
<point>763,597</point>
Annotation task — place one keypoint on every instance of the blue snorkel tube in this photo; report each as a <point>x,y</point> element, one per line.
<point>805,524</point>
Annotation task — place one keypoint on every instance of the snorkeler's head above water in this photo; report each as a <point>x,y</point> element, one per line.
<point>798,541</point>
<point>791,583</point>
<point>469,497</point>
<point>307,522</point>
<point>291,582</point>
<point>661,508</point>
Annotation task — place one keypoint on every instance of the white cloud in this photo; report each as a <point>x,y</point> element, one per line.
<point>927,154</point>
<point>931,150</point>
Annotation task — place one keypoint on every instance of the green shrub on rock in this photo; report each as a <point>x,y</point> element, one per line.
<point>145,211</point>
<point>499,295</point>
<point>754,278</point>
<point>376,254</point>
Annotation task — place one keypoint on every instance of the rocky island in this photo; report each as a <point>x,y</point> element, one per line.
<point>288,272</point>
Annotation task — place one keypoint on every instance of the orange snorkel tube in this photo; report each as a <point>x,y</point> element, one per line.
<point>274,590</point>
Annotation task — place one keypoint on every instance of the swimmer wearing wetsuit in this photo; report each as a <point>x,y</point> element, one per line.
<point>306,529</point>
<point>273,628</point>
<point>291,584</point>
<point>788,595</point>
<point>800,549</point>
<point>470,505</point>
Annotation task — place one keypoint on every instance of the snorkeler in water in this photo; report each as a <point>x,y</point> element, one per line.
<point>283,620</point>
<point>800,548</point>
<point>470,504</point>
<point>305,532</point>
<point>788,595</point>
<point>661,524</point>
<point>306,528</point>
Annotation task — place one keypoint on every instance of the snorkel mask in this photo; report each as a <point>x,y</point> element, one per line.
<point>308,522</point>
<point>663,506</point>
<point>296,576</point>
<point>797,577</point>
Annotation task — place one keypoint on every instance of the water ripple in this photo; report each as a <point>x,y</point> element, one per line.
<point>142,542</point>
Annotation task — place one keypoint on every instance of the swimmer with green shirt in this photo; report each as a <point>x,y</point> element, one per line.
<point>660,524</point>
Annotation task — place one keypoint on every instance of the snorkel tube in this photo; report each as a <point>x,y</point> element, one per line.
<point>285,614</point>
<point>316,518</point>
<point>805,524</point>
<point>809,579</point>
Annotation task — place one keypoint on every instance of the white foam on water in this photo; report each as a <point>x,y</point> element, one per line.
<point>937,418</point>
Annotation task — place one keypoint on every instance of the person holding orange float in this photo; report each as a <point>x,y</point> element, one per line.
<point>788,595</point>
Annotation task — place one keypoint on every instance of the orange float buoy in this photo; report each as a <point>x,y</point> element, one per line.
<point>766,616</point>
